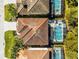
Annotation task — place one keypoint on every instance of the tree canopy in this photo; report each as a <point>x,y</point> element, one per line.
<point>71,40</point>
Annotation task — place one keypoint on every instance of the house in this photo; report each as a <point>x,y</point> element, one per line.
<point>34,53</point>
<point>33,31</point>
<point>32,7</point>
<point>58,31</point>
<point>57,8</point>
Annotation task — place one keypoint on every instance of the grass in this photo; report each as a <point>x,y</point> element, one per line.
<point>71,38</point>
<point>71,46</point>
<point>10,12</point>
<point>9,43</point>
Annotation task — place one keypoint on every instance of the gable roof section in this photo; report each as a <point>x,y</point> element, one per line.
<point>34,54</point>
<point>32,30</point>
<point>34,7</point>
<point>41,7</point>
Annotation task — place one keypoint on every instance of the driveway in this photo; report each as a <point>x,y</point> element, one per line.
<point>9,26</point>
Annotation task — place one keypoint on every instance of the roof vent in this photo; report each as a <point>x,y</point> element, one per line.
<point>25,6</point>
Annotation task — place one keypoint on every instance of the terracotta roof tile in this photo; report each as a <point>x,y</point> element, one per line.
<point>34,54</point>
<point>36,30</point>
<point>34,7</point>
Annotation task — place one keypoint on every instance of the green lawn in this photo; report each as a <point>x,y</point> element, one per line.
<point>9,43</point>
<point>10,12</point>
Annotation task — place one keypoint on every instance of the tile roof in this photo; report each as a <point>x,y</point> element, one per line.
<point>34,53</point>
<point>33,31</point>
<point>34,7</point>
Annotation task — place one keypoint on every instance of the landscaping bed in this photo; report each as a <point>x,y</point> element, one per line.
<point>9,42</point>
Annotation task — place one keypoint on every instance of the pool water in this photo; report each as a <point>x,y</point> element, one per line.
<point>57,7</point>
<point>58,33</point>
<point>57,53</point>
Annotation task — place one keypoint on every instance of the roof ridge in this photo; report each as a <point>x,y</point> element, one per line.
<point>39,27</point>
<point>33,5</point>
<point>30,36</point>
<point>41,24</point>
<point>44,54</point>
<point>27,32</point>
<point>23,28</point>
<point>20,7</point>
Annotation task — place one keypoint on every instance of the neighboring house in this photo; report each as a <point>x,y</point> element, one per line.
<point>32,7</point>
<point>34,53</point>
<point>57,8</point>
<point>58,31</point>
<point>33,31</point>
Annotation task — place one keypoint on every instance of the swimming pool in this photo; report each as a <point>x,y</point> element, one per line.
<point>58,53</point>
<point>57,7</point>
<point>58,33</point>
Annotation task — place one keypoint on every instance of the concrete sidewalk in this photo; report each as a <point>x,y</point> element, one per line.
<point>4,26</point>
<point>9,26</point>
